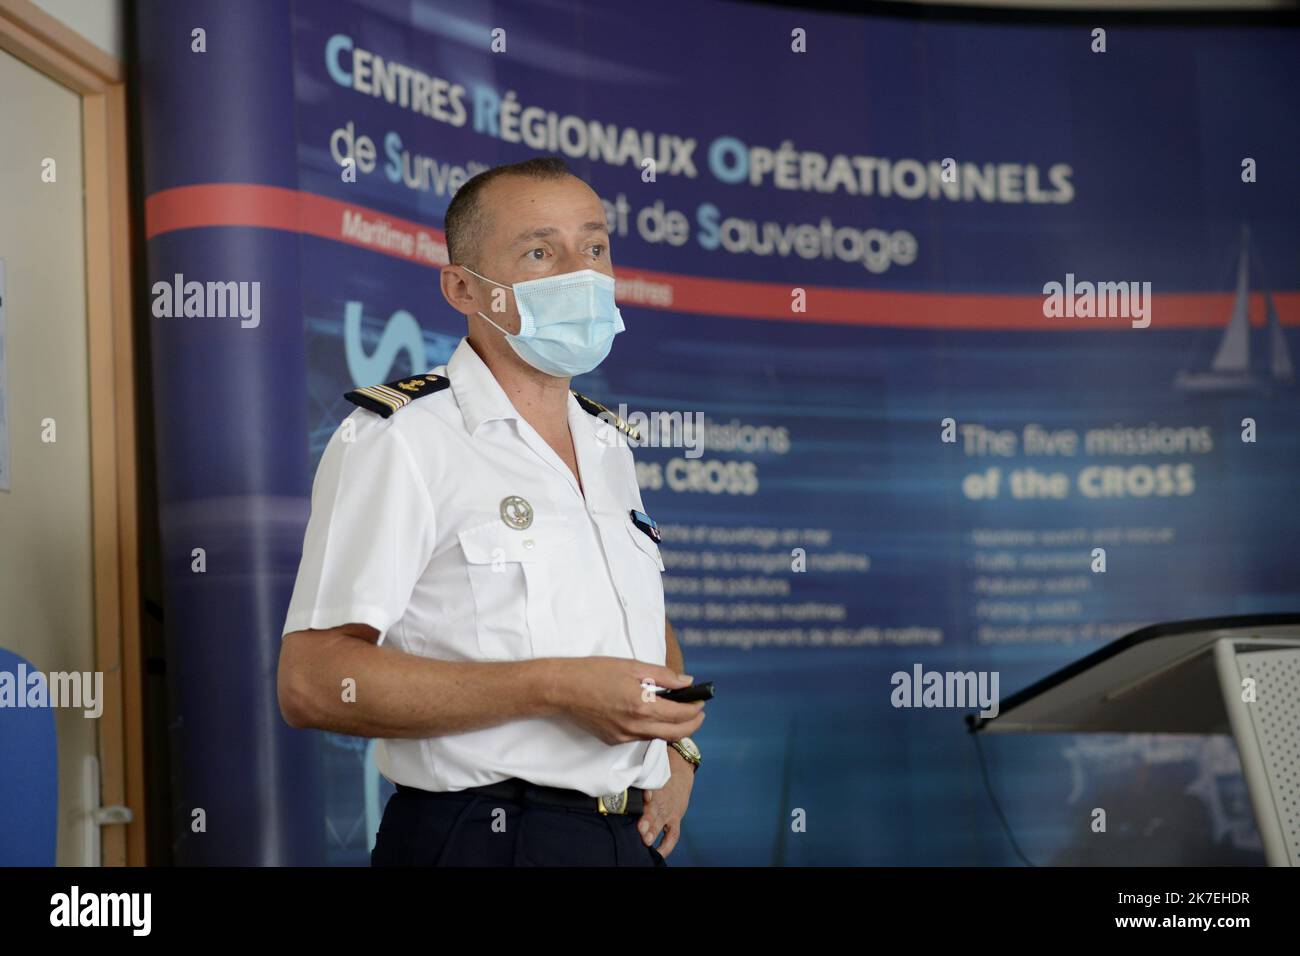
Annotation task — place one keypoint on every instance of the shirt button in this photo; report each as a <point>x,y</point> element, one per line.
<point>623,599</point>
<point>529,544</point>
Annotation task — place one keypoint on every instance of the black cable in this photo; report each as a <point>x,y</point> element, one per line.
<point>988,785</point>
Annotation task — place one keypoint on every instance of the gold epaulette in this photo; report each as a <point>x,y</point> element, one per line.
<point>383,400</point>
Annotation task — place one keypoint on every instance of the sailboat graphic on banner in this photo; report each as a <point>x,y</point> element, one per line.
<point>1232,369</point>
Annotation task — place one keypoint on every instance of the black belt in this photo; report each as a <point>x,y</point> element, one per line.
<point>629,802</point>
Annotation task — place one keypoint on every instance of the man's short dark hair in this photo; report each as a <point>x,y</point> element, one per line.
<point>465,223</point>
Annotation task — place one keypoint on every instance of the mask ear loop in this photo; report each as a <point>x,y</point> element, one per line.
<point>484,317</point>
<point>484,278</point>
<point>495,326</point>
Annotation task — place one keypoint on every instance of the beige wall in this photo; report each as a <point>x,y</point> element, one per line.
<point>45,548</point>
<point>99,21</point>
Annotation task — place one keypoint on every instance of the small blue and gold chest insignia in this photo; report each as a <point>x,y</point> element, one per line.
<point>383,400</point>
<point>647,524</point>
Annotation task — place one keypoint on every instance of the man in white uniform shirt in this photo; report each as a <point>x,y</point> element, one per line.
<point>480,585</point>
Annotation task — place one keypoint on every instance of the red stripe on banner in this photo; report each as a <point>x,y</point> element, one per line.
<point>931,310</point>
<point>271,207</point>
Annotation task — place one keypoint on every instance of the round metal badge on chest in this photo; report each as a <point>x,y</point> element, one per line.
<point>516,512</point>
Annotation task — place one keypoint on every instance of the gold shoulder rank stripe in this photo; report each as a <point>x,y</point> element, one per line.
<point>386,399</point>
<point>593,407</point>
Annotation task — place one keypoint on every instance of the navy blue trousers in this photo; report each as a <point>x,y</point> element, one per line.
<point>461,828</point>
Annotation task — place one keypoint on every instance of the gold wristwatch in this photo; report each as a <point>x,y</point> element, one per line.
<point>690,753</point>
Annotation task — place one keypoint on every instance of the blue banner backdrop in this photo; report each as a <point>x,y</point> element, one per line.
<point>836,247</point>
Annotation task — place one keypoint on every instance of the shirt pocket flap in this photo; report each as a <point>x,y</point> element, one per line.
<point>643,542</point>
<point>494,542</point>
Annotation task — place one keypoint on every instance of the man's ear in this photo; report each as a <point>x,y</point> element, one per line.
<point>456,291</point>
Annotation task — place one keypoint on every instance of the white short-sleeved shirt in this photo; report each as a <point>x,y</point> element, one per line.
<point>406,535</point>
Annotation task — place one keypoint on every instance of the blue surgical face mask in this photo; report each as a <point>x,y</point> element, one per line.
<point>567,322</point>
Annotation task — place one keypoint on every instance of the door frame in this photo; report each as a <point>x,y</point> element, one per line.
<point>53,49</point>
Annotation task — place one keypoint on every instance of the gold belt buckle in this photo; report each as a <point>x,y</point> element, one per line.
<point>612,802</point>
